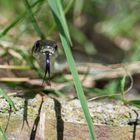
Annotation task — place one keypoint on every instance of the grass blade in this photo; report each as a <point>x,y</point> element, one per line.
<point>16,67</point>
<point>17,20</point>
<point>8,99</point>
<point>3,136</point>
<point>34,22</point>
<point>59,17</point>
<point>134,103</point>
<point>122,87</point>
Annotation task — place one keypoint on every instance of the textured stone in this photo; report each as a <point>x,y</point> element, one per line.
<point>45,118</point>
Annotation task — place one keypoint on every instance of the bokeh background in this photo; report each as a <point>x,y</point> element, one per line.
<point>102,32</point>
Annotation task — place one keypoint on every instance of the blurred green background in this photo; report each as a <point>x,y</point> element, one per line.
<point>104,32</point>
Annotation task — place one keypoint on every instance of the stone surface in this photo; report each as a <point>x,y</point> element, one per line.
<point>44,118</point>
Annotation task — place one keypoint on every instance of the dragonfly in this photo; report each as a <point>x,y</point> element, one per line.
<point>46,49</point>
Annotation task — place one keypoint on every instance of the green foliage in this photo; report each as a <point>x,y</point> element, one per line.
<point>123,81</point>
<point>17,20</point>
<point>8,99</point>
<point>60,19</point>
<point>111,18</point>
<point>2,134</point>
<point>34,22</point>
<point>114,27</point>
<point>105,18</point>
<point>58,13</point>
<point>134,102</point>
<point>111,87</point>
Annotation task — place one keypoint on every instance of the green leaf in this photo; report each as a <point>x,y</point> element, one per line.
<point>111,87</point>
<point>17,20</point>
<point>134,102</point>
<point>8,99</point>
<point>59,17</point>
<point>58,13</point>
<point>122,87</point>
<point>34,22</point>
<point>3,136</point>
<point>123,83</point>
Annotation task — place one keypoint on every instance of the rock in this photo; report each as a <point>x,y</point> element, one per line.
<point>41,117</point>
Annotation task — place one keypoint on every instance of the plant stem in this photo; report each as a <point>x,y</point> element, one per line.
<point>34,22</point>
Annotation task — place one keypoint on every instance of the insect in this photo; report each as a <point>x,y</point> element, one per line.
<point>46,49</point>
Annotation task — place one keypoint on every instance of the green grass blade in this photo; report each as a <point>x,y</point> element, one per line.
<point>8,99</point>
<point>68,6</point>
<point>122,87</point>
<point>6,30</point>
<point>134,103</point>
<point>59,17</point>
<point>2,134</point>
<point>34,22</point>
<point>17,20</point>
